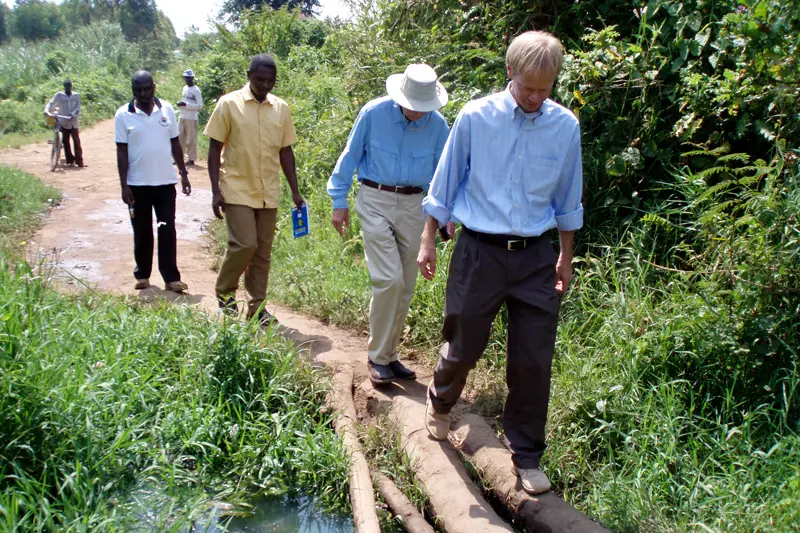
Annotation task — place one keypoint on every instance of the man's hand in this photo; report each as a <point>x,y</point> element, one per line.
<point>341,219</point>
<point>563,274</point>
<point>426,260</point>
<point>218,204</point>
<point>297,199</point>
<point>181,104</point>
<point>185,185</point>
<point>451,229</point>
<point>127,195</point>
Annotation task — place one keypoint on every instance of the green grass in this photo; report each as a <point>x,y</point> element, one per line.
<point>23,199</point>
<point>121,416</point>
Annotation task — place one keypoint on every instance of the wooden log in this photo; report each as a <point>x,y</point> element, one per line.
<point>362,497</point>
<point>401,506</point>
<point>457,503</point>
<point>544,513</point>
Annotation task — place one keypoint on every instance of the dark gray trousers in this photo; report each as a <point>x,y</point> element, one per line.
<point>482,278</point>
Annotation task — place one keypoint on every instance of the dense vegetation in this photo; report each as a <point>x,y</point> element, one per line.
<point>119,416</point>
<point>675,399</point>
<point>676,392</point>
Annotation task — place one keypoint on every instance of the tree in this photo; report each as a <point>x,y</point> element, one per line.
<point>234,8</point>
<point>138,18</point>
<point>36,19</point>
<point>3,18</point>
<point>77,12</point>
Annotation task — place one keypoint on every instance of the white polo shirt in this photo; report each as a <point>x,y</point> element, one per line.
<point>149,142</point>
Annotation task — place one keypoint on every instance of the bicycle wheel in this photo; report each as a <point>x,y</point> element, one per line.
<point>55,153</point>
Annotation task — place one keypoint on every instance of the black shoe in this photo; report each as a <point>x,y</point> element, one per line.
<point>265,319</point>
<point>227,306</point>
<point>190,163</point>
<point>401,371</point>
<point>380,374</point>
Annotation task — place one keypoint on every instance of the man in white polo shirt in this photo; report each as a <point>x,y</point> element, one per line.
<point>146,133</point>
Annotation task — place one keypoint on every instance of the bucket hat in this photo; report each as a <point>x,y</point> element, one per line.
<point>417,88</point>
<point>188,73</point>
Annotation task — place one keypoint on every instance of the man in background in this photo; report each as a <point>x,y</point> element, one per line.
<point>191,103</point>
<point>68,103</point>
<point>146,134</point>
<point>251,135</point>
<point>395,143</point>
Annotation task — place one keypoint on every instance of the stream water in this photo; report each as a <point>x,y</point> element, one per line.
<point>278,515</point>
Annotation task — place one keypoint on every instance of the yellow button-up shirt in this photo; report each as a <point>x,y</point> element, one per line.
<point>252,134</point>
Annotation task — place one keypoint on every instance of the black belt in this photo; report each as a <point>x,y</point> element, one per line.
<point>393,188</point>
<point>509,242</point>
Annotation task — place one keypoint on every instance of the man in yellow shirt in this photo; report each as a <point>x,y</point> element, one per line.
<point>251,134</point>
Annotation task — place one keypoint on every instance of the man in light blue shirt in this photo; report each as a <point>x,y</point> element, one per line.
<point>511,171</point>
<point>395,145</point>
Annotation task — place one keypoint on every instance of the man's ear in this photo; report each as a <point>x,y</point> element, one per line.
<point>510,74</point>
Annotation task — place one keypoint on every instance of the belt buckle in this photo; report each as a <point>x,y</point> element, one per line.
<point>510,245</point>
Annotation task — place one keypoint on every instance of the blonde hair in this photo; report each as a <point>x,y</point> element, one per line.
<point>535,52</point>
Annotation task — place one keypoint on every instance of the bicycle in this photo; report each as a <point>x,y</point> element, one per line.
<point>55,152</point>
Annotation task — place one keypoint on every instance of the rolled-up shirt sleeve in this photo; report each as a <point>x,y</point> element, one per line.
<point>342,178</point>
<point>450,171</point>
<point>566,201</point>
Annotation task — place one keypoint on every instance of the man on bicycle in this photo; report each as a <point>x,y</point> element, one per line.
<point>68,103</point>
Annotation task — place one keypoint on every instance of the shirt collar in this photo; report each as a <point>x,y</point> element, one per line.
<point>397,114</point>
<point>248,95</point>
<point>513,109</point>
<point>133,109</point>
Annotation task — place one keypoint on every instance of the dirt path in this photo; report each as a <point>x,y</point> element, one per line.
<point>89,241</point>
<point>89,238</point>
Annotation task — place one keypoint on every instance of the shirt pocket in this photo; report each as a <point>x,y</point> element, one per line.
<point>272,133</point>
<point>382,161</point>
<point>421,165</point>
<point>541,176</point>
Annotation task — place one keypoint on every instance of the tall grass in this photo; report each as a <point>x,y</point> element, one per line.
<point>119,416</point>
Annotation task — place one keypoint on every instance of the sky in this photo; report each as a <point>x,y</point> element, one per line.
<point>185,13</point>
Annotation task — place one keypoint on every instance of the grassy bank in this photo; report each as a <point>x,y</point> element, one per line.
<point>122,416</point>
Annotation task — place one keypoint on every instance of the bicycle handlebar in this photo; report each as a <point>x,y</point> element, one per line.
<point>66,117</point>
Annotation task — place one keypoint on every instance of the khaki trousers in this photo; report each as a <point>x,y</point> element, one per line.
<point>392,228</point>
<point>187,135</point>
<point>250,235</point>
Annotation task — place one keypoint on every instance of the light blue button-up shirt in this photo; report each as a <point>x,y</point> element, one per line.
<point>504,171</point>
<point>388,149</point>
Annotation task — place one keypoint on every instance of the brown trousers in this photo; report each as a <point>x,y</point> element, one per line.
<point>250,235</point>
<point>482,278</point>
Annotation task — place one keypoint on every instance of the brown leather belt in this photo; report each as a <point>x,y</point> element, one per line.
<point>511,243</point>
<point>393,188</point>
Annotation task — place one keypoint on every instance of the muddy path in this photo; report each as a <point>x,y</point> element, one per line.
<point>87,241</point>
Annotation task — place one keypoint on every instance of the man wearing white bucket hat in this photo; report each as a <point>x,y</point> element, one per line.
<point>395,144</point>
<point>191,103</point>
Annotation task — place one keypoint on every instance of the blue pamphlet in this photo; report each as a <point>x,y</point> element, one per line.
<point>300,221</point>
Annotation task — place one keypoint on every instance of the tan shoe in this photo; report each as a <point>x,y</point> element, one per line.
<point>533,480</point>
<point>176,286</point>
<point>142,284</point>
<point>437,424</point>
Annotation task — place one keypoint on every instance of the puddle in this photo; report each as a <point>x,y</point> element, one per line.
<point>276,515</point>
